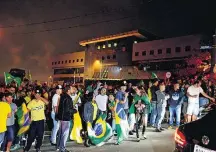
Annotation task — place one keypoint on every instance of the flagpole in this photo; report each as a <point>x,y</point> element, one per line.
<point>5,78</point>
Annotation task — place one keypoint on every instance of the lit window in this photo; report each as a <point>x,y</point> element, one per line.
<point>115,44</point>
<point>98,47</point>
<point>135,41</point>
<point>104,46</point>
<point>109,45</point>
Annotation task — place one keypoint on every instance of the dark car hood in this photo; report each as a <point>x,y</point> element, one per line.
<point>205,126</point>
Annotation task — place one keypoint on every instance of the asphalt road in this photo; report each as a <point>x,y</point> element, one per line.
<point>156,142</point>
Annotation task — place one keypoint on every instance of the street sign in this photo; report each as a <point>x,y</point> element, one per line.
<point>168,75</point>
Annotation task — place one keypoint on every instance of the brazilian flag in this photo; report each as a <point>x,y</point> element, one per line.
<point>9,78</point>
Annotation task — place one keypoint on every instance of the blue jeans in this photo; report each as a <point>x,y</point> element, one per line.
<point>161,110</point>
<point>2,135</point>
<point>9,136</point>
<point>175,111</point>
<point>203,101</point>
<point>153,114</point>
<point>55,129</point>
<point>63,134</point>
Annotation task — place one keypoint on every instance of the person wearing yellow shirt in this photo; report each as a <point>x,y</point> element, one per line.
<point>5,113</point>
<point>10,133</point>
<point>36,108</point>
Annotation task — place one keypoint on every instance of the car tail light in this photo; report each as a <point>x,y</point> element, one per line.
<point>180,138</point>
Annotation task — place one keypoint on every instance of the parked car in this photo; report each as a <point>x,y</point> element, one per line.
<point>199,135</point>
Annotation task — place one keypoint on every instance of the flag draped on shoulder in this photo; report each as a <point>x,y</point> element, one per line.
<point>9,78</point>
<point>23,119</point>
<point>102,131</point>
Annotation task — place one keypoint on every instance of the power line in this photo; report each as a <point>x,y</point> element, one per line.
<point>104,11</point>
<point>75,26</point>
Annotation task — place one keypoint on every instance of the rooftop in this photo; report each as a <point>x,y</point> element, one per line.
<point>135,33</point>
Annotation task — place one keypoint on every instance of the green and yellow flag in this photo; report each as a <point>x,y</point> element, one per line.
<point>154,76</point>
<point>9,78</point>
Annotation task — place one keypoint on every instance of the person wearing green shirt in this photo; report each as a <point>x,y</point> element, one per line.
<point>111,107</point>
<point>145,112</point>
<point>132,111</point>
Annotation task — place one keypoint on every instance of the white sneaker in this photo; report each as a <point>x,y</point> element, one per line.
<point>144,136</point>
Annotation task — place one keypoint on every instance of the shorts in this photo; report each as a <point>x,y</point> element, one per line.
<point>193,109</point>
<point>10,133</point>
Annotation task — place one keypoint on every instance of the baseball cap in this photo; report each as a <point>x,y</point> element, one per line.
<point>38,90</point>
<point>58,87</point>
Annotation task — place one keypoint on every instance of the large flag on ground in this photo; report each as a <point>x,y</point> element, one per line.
<point>9,78</point>
<point>102,131</point>
<point>122,126</point>
<point>77,127</point>
<point>23,119</point>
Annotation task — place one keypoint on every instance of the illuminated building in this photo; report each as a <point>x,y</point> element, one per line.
<point>109,57</point>
<point>69,67</point>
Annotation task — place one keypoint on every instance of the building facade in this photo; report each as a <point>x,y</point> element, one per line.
<point>69,67</point>
<point>109,57</point>
<point>129,55</point>
<point>166,53</point>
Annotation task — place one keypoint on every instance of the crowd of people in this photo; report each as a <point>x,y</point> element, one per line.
<point>139,105</point>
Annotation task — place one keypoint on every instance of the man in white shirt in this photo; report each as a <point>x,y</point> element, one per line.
<point>102,100</point>
<point>55,100</point>
<point>193,100</point>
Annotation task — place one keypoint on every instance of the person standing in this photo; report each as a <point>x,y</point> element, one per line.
<point>5,113</point>
<point>65,114</point>
<point>36,108</point>
<point>153,95</point>
<point>193,100</point>
<point>10,133</point>
<point>162,98</point>
<point>55,100</point>
<point>175,105</point>
<point>102,100</point>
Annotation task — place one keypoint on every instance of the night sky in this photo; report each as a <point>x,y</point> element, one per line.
<point>26,42</point>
